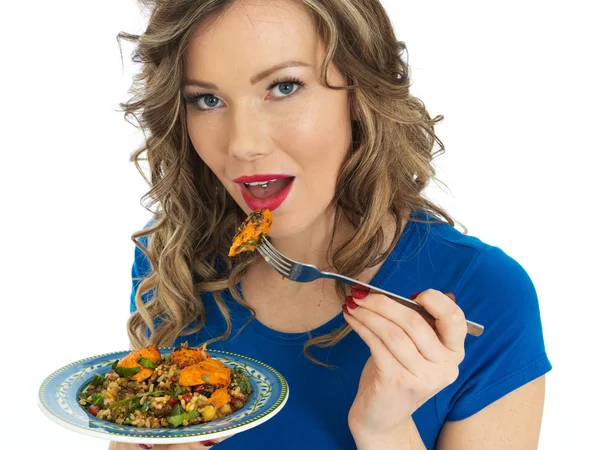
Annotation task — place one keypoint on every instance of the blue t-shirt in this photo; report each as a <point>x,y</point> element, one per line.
<point>490,287</point>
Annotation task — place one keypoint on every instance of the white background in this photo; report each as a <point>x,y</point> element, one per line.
<point>517,83</point>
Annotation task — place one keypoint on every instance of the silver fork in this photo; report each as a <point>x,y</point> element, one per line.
<point>303,273</point>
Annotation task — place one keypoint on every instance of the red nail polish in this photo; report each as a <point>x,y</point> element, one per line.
<point>345,308</point>
<point>451,295</point>
<point>145,446</point>
<point>415,295</point>
<point>350,302</point>
<point>359,292</point>
<point>209,443</point>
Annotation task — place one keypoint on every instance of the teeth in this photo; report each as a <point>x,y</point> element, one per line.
<point>260,183</point>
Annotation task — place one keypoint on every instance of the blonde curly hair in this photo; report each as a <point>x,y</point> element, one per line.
<point>384,174</point>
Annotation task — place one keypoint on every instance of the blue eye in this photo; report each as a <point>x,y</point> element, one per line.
<point>281,88</point>
<point>285,87</point>
<point>203,101</point>
<point>210,100</point>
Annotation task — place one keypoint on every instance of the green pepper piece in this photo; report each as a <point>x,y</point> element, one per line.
<point>114,365</point>
<point>180,391</point>
<point>127,372</point>
<point>130,399</point>
<point>121,402</point>
<point>98,400</point>
<point>97,380</point>
<point>175,421</point>
<point>146,406</point>
<point>135,404</point>
<point>177,410</point>
<point>146,363</point>
<point>192,415</point>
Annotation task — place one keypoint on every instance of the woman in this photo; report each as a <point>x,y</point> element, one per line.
<point>304,107</point>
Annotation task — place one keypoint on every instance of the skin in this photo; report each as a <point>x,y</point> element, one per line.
<point>243,128</point>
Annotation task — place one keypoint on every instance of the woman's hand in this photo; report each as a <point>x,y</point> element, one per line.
<point>190,446</point>
<point>411,360</point>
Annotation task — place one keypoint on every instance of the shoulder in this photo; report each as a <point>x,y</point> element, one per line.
<point>491,286</point>
<point>493,289</point>
<point>490,282</point>
<point>436,255</point>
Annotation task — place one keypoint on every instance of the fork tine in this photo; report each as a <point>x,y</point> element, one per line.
<point>273,259</point>
<point>276,252</point>
<point>273,262</point>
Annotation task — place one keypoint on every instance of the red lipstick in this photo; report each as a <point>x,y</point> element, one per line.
<point>260,177</point>
<point>272,202</point>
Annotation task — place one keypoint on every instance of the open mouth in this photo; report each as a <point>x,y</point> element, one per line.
<point>263,190</point>
<point>266,194</point>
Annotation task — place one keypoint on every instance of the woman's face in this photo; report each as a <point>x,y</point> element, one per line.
<point>257,115</point>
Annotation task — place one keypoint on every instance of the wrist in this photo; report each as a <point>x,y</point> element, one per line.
<point>403,437</point>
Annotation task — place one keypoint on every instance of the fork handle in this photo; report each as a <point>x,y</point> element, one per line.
<point>473,328</point>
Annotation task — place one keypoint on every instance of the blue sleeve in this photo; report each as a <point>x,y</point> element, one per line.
<point>141,268</point>
<point>500,295</point>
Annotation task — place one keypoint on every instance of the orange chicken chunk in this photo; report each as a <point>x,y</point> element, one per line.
<point>209,371</point>
<point>131,361</point>
<point>184,356</point>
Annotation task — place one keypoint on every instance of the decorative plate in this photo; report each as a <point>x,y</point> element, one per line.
<point>58,400</point>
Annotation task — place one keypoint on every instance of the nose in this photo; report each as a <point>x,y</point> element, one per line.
<point>247,137</point>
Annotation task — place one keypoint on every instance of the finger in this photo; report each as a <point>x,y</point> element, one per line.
<point>394,338</point>
<point>202,445</point>
<point>450,322</point>
<point>382,357</point>
<point>414,325</point>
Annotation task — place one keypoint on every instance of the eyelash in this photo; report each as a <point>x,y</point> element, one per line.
<point>192,99</point>
<point>292,80</point>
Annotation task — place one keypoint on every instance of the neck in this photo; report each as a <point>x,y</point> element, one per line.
<point>311,246</point>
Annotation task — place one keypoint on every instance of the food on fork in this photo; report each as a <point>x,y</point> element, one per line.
<point>187,387</point>
<point>252,231</point>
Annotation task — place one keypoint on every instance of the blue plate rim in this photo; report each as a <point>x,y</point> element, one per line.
<point>171,438</point>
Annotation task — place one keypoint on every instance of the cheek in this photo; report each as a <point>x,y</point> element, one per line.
<point>315,132</point>
<point>206,139</point>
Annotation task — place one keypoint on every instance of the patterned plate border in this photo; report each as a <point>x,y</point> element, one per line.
<point>58,400</point>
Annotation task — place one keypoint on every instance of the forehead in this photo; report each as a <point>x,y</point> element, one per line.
<point>250,36</point>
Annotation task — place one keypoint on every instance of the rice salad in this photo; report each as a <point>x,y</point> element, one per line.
<point>150,390</point>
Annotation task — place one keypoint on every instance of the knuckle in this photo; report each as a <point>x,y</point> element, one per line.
<point>403,380</point>
<point>457,315</point>
<point>396,334</point>
<point>413,319</point>
<point>428,294</point>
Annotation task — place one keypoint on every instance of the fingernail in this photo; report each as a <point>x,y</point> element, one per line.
<point>345,308</point>
<point>209,443</point>
<point>350,302</point>
<point>145,446</point>
<point>451,295</point>
<point>359,292</point>
<point>415,295</point>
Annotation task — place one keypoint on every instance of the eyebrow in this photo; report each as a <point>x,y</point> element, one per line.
<point>255,79</point>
